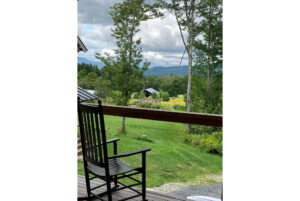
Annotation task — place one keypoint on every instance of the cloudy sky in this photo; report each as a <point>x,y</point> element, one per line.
<point>161,41</point>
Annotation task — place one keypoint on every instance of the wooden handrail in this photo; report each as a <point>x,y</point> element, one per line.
<point>163,115</point>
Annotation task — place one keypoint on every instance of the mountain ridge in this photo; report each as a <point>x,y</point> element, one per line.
<point>156,70</point>
<point>159,70</point>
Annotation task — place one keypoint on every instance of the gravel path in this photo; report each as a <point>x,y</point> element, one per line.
<point>200,188</point>
<point>211,190</point>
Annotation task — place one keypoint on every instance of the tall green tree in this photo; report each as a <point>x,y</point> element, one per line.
<point>126,68</point>
<point>208,48</point>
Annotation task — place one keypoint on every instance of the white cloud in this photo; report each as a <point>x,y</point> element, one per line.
<point>161,35</point>
<point>161,40</point>
<point>165,58</point>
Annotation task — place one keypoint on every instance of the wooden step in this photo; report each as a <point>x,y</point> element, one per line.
<point>79,147</point>
<point>79,152</point>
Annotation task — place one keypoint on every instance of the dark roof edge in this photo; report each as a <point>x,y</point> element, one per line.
<point>81,45</point>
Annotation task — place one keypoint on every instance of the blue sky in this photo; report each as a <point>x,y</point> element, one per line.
<point>161,41</point>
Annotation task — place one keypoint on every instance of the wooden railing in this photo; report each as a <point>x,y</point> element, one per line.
<point>163,115</point>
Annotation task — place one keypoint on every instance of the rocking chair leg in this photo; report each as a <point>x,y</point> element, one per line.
<point>144,176</point>
<point>108,189</point>
<point>116,181</point>
<point>87,181</point>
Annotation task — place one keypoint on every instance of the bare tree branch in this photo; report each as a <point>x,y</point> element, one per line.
<point>180,29</point>
<point>182,57</point>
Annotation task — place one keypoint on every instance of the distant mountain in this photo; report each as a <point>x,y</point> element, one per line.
<point>159,71</point>
<point>84,60</point>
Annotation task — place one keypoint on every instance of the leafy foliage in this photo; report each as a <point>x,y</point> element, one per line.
<point>179,107</point>
<point>125,70</point>
<point>87,75</point>
<point>155,96</point>
<point>165,96</point>
<point>173,84</point>
<point>210,143</point>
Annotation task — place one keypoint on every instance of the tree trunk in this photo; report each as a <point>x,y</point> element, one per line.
<point>208,62</point>
<point>188,126</point>
<point>123,125</point>
<point>208,80</point>
<point>190,49</point>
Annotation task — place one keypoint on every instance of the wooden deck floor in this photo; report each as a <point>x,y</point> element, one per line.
<point>151,196</point>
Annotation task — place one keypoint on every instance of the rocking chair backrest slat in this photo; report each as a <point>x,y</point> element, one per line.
<point>98,137</point>
<point>84,133</point>
<point>92,133</point>
<point>88,135</point>
<point>93,137</point>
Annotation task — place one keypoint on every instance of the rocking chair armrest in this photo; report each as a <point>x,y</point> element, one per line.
<point>130,153</point>
<point>112,140</point>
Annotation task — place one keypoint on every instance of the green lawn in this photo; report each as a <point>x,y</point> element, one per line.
<point>170,160</point>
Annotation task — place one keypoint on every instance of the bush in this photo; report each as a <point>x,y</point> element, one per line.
<point>179,107</point>
<point>156,106</point>
<point>166,107</point>
<point>209,143</point>
<point>165,96</point>
<point>144,104</point>
<point>212,143</point>
<point>135,95</point>
<point>198,130</point>
<point>155,95</point>
<point>142,95</point>
<point>132,102</point>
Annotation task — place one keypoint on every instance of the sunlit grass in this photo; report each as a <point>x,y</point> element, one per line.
<point>170,160</point>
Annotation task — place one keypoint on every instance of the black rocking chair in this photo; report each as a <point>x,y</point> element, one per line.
<point>96,160</point>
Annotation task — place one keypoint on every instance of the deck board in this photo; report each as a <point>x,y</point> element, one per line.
<point>151,196</point>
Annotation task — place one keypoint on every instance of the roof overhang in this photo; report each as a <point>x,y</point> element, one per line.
<point>80,45</point>
<point>84,95</point>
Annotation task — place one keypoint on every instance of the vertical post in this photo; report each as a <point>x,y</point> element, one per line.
<point>144,176</point>
<point>115,153</point>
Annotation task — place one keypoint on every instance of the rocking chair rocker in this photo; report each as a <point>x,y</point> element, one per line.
<point>98,163</point>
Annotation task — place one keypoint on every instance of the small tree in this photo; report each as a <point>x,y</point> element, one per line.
<point>142,95</point>
<point>165,96</point>
<point>124,70</point>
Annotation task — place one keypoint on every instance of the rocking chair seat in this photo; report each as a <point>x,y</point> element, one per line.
<point>116,166</point>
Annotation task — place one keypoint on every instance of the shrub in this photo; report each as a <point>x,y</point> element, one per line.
<point>132,102</point>
<point>144,104</point>
<point>155,95</point>
<point>166,96</point>
<point>209,143</point>
<point>198,130</point>
<point>166,107</point>
<point>135,95</point>
<point>142,95</point>
<point>212,143</point>
<point>180,96</point>
<point>179,107</point>
<point>156,106</point>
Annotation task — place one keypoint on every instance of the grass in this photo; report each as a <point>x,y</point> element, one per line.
<point>170,160</point>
